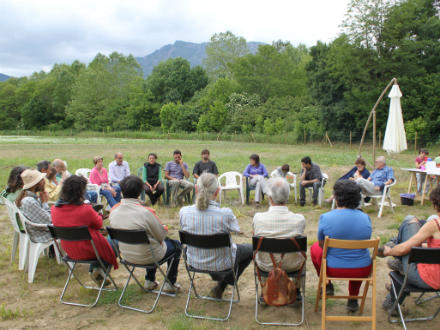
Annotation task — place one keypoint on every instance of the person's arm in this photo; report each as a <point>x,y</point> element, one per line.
<point>215,169</point>
<point>39,214</point>
<point>303,172</point>
<point>167,172</point>
<point>321,232</point>
<point>184,168</point>
<point>128,169</point>
<point>94,177</point>
<point>155,227</point>
<point>53,192</point>
<point>316,174</point>
<point>246,171</point>
<point>111,172</point>
<point>390,176</point>
<point>233,222</point>
<point>160,174</point>
<point>196,170</point>
<point>95,218</point>
<point>404,248</point>
<point>265,174</point>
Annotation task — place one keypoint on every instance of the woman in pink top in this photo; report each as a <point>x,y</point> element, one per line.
<point>413,232</point>
<point>99,176</point>
<point>421,165</point>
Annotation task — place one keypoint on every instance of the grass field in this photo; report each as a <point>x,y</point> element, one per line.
<point>36,305</point>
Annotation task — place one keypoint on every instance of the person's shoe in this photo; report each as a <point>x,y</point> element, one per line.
<point>98,207</point>
<point>329,289</point>
<point>302,203</point>
<point>299,298</point>
<point>171,288</point>
<point>395,264</point>
<point>217,292</point>
<point>97,275</point>
<point>352,305</point>
<point>388,304</point>
<point>150,285</point>
<point>261,301</point>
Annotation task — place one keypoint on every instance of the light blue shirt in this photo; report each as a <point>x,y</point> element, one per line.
<point>212,221</point>
<point>117,172</point>
<point>382,175</point>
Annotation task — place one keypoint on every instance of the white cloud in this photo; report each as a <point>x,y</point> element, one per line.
<point>37,34</point>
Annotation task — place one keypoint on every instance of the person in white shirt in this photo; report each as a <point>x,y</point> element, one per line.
<point>118,169</point>
<point>279,222</point>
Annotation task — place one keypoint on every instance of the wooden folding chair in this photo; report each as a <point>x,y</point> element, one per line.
<point>369,281</point>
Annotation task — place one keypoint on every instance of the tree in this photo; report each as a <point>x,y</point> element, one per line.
<point>223,49</point>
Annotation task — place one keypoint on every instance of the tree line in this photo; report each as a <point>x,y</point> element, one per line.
<point>281,89</point>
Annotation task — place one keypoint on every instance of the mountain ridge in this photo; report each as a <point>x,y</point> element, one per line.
<point>4,77</point>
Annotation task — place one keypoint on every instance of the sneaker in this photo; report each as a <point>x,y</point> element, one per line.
<point>352,305</point>
<point>150,285</point>
<point>171,288</point>
<point>395,264</point>
<point>97,275</point>
<point>217,292</point>
<point>302,203</point>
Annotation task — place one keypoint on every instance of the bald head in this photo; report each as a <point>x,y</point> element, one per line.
<point>119,158</point>
<point>380,162</point>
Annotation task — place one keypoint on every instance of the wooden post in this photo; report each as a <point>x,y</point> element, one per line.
<point>374,135</point>
<point>415,143</point>
<point>350,138</point>
<point>380,139</point>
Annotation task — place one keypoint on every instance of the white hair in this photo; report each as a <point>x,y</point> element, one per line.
<point>207,185</point>
<point>278,190</point>
<point>381,159</point>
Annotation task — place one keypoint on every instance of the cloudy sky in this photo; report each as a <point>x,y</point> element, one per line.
<point>35,34</point>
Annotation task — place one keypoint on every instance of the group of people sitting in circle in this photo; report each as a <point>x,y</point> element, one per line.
<point>32,189</point>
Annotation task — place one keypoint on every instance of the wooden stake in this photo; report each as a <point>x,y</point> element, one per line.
<point>374,135</point>
<point>380,139</point>
<point>415,143</point>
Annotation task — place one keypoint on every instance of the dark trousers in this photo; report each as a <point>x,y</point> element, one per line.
<point>173,247</point>
<point>302,191</point>
<point>243,258</point>
<point>154,196</point>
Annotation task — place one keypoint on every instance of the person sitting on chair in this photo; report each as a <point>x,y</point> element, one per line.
<point>207,218</point>
<point>176,172</point>
<point>130,214</point>
<point>346,222</point>
<point>204,165</point>
<point>71,211</point>
<point>15,184</point>
<point>61,168</point>
<point>279,222</point>
<point>118,169</point>
<point>256,172</point>
<point>310,176</point>
<point>282,171</point>
<point>414,232</point>
<point>99,177</point>
<point>152,177</point>
<point>52,186</point>
<point>381,176</point>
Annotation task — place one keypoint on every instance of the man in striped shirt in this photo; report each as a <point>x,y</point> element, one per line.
<point>207,218</point>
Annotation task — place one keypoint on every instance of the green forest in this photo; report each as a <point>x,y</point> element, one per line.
<point>281,89</point>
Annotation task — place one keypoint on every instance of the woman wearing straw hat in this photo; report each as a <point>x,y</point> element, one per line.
<point>33,203</point>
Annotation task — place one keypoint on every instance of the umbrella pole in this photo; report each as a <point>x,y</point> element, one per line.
<point>373,114</point>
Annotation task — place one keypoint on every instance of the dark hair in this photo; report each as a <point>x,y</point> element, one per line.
<point>15,181</point>
<point>152,154</point>
<point>255,158</point>
<point>424,150</point>
<point>360,161</point>
<point>347,194</point>
<point>51,174</point>
<point>74,189</point>
<point>177,152</point>
<point>131,186</point>
<point>285,168</point>
<point>435,198</point>
<point>306,160</point>
<point>205,152</point>
<point>43,165</point>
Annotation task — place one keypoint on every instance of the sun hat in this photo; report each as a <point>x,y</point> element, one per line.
<point>31,178</point>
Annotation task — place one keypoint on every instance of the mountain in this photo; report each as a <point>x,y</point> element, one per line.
<point>4,77</point>
<point>193,52</point>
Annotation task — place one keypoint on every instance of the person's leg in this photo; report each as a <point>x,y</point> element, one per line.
<point>108,196</point>
<point>243,257</point>
<point>174,185</point>
<point>173,247</point>
<point>91,196</point>
<point>159,191</point>
<point>150,194</point>
<point>187,187</point>
<point>367,187</point>
<point>316,187</point>
<point>258,188</point>
<point>117,189</point>
<point>420,180</point>
<point>409,227</point>
<point>353,286</point>
<point>302,192</point>
<point>316,255</point>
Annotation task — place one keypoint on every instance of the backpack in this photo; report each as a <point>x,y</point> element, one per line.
<point>279,289</point>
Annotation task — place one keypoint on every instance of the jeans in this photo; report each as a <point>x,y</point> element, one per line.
<point>112,201</point>
<point>260,186</point>
<point>173,247</point>
<point>420,178</point>
<point>302,191</point>
<point>154,197</point>
<point>243,257</point>
<point>176,195</point>
<point>91,196</point>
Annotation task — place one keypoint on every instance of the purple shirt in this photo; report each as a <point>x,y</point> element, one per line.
<point>175,171</point>
<point>259,170</point>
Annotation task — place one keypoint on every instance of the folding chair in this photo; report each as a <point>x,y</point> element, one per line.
<point>275,245</point>
<point>249,188</point>
<point>222,240</point>
<point>370,280</point>
<point>417,255</point>
<point>77,234</point>
<point>385,199</point>
<point>136,237</point>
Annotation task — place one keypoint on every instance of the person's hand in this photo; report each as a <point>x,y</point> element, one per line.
<point>155,186</point>
<point>377,188</point>
<point>64,175</point>
<point>303,183</point>
<point>44,197</point>
<point>386,250</point>
<point>181,162</point>
<point>113,192</point>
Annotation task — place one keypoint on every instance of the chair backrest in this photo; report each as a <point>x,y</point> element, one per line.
<point>280,245</point>
<point>128,236</point>
<point>325,176</point>
<point>351,245</point>
<point>72,234</point>
<point>232,179</point>
<point>139,171</point>
<point>205,241</point>
<point>12,213</point>
<point>424,255</point>
<point>85,172</point>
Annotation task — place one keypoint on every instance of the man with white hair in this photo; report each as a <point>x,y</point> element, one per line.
<point>382,176</point>
<point>118,169</point>
<point>279,222</point>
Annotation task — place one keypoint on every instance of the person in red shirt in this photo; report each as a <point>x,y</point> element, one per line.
<point>70,211</point>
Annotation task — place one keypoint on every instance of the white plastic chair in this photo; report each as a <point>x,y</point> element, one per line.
<point>85,172</point>
<point>386,194</point>
<point>21,240</point>
<point>233,181</point>
<point>321,189</point>
<point>292,184</point>
<point>35,249</point>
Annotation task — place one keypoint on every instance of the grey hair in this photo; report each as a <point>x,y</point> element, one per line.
<point>278,190</point>
<point>207,185</point>
<point>381,159</point>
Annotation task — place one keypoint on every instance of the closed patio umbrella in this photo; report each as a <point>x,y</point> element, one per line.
<point>395,137</point>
